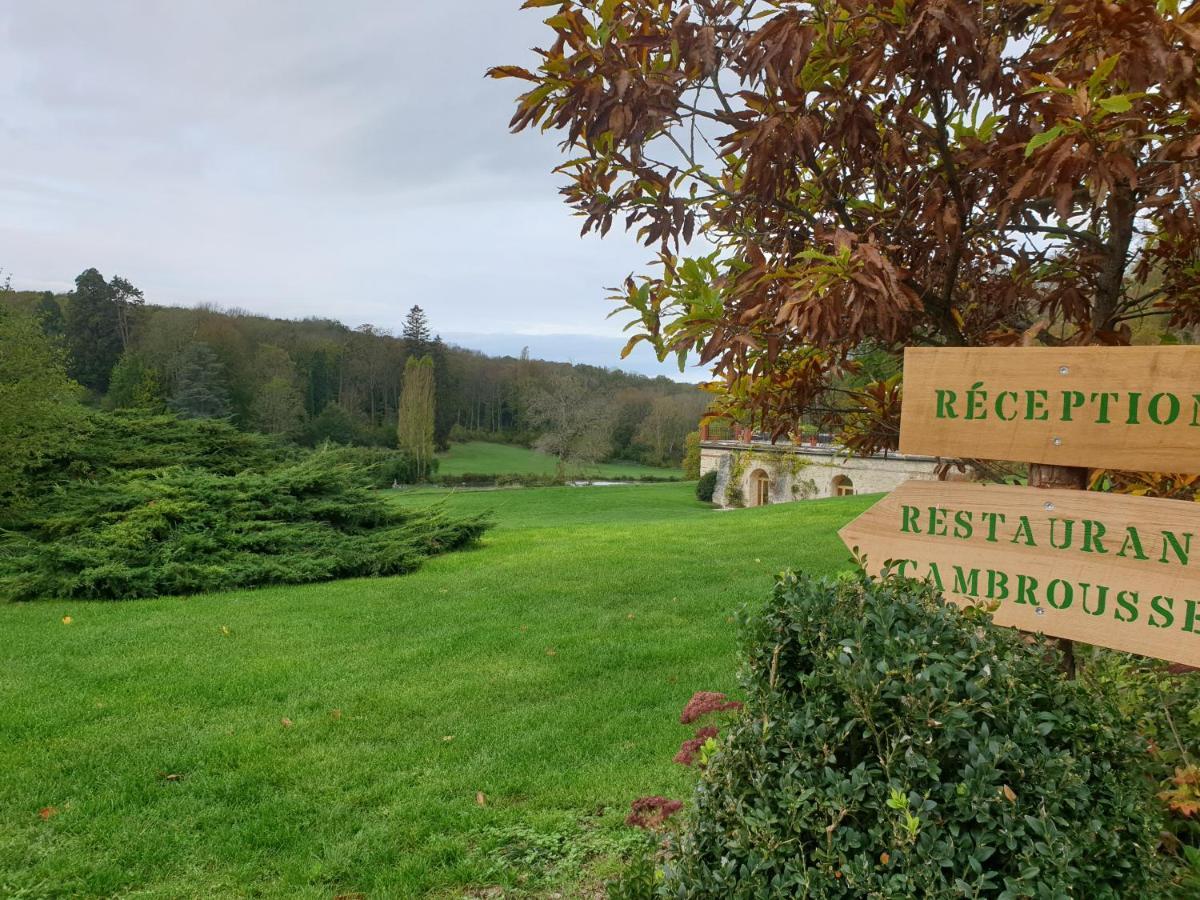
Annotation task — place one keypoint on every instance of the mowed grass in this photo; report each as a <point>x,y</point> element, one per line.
<point>483,722</point>
<point>483,458</point>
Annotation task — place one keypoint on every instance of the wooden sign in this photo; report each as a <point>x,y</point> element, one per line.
<point>1114,570</point>
<point>1134,408</point>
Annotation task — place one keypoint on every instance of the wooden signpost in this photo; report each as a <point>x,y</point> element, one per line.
<point>1108,569</point>
<point>1113,570</point>
<point>1135,408</point>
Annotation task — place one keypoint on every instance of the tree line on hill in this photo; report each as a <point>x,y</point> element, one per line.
<point>317,380</point>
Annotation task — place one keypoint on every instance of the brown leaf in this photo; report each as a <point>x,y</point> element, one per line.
<point>335,714</point>
<point>480,798</point>
<point>47,811</point>
<point>511,72</point>
<point>1008,793</point>
<point>285,722</point>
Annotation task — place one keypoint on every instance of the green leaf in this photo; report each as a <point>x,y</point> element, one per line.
<point>1045,137</point>
<point>1100,76</point>
<point>1118,103</point>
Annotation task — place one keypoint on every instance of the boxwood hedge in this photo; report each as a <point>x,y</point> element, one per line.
<point>894,746</point>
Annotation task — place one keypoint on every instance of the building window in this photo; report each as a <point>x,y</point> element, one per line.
<point>842,486</point>
<point>760,488</point>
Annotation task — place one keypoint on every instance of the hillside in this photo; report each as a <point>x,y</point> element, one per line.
<point>314,380</point>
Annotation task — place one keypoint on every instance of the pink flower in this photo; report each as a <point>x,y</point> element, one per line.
<point>652,812</point>
<point>689,748</point>
<point>705,702</point>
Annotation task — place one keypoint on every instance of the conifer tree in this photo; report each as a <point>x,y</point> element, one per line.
<point>92,331</point>
<point>200,391</point>
<point>129,302</point>
<point>416,332</point>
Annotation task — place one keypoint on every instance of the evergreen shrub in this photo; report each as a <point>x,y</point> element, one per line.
<point>706,486</point>
<point>130,440</point>
<point>893,746</point>
<point>145,505</point>
<point>381,467</point>
<point>182,531</point>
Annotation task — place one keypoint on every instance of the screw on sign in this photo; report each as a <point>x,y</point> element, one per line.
<point>1112,570</point>
<point>1134,408</point>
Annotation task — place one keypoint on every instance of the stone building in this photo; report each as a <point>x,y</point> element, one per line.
<point>755,473</point>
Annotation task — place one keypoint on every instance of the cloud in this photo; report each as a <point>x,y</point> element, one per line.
<point>294,159</point>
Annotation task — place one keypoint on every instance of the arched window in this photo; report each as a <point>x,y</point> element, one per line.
<point>760,488</point>
<point>842,486</point>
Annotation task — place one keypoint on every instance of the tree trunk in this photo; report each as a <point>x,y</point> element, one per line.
<point>1069,478</point>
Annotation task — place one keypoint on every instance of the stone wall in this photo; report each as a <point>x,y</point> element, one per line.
<point>803,473</point>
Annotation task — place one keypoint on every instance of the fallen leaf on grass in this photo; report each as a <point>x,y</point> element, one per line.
<point>1009,794</point>
<point>550,651</point>
<point>335,714</point>
<point>630,616</point>
<point>448,737</point>
<point>170,776</point>
<point>67,620</point>
<point>47,811</point>
<point>225,630</point>
<point>285,722</point>
<point>480,798</point>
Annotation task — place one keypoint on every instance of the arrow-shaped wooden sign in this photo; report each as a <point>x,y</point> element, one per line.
<point>1113,570</point>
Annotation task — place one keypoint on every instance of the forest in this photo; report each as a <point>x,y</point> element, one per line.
<point>314,381</point>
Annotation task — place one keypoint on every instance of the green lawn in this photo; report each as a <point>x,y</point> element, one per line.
<point>144,749</point>
<point>482,458</point>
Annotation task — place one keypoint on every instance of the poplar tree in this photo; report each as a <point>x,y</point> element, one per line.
<point>414,430</point>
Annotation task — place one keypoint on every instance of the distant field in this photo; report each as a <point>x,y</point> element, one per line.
<point>333,739</point>
<point>482,458</point>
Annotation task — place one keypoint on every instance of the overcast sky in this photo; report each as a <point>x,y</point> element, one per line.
<point>299,158</point>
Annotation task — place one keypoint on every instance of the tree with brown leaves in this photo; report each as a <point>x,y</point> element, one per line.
<point>868,176</point>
